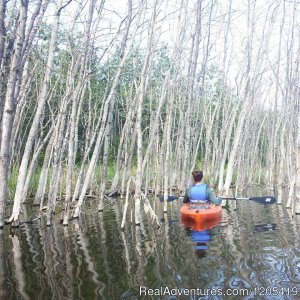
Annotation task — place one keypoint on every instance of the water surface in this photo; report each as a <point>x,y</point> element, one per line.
<point>255,248</point>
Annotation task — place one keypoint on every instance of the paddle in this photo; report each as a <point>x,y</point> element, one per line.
<point>261,200</point>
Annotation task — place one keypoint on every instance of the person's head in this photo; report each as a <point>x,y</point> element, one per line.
<point>197,175</point>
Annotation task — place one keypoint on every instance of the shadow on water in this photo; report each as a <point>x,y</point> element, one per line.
<point>253,246</point>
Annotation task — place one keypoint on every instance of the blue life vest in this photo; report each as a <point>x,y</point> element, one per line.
<point>198,192</point>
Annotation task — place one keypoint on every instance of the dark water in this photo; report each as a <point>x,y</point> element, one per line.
<point>254,250</point>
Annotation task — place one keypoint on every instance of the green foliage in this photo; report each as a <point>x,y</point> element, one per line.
<point>34,182</point>
<point>12,182</point>
<point>13,179</point>
<point>44,33</point>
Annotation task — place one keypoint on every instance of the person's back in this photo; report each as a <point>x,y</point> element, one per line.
<point>200,192</point>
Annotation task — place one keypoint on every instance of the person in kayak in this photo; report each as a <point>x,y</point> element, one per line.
<point>200,192</point>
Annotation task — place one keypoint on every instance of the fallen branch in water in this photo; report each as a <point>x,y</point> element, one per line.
<point>148,208</point>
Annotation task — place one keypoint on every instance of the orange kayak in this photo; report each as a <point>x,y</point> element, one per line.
<point>200,215</point>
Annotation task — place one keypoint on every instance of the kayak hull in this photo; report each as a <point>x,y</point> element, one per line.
<point>200,216</point>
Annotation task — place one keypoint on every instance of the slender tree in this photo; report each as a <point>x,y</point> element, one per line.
<point>9,106</point>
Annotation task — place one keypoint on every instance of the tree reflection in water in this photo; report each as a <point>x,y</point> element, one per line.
<point>93,258</point>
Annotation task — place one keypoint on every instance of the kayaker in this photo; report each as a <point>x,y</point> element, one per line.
<point>200,192</point>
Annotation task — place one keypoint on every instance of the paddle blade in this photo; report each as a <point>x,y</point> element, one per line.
<point>170,198</point>
<point>264,227</point>
<point>264,200</point>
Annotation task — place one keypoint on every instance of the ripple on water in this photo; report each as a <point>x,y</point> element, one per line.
<point>252,247</point>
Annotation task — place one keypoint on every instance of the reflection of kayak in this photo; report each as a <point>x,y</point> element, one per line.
<point>201,238</point>
<point>200,216</point>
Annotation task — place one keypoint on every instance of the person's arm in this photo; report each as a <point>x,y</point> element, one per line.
<point>186,198</point>
<point>212,197</point>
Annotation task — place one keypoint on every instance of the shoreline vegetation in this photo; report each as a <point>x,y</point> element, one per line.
<point>96,99</point>
<point>94,189</point>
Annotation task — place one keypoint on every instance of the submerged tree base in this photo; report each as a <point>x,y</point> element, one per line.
<point>15,224</point>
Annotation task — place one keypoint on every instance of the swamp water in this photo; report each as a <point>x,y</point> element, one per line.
<point>253,253</point>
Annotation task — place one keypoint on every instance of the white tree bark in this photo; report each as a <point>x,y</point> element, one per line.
<point>225,150</point>
<point>103,179</point>
<point>297,173</point>
<point>2,29</point>
<point>34,162</point>
<point>74,113</point>
<point>297,202</point>
<point>2,51</point>
<point>167,170</point>
<point>9,108</point>
<point>140,98</point>
<point>193,60</point>
<point>37,117</point>
<point>39,196</point>
<point>109,102</point>
<point>246,86</point>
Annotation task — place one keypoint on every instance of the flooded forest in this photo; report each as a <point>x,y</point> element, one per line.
<point>106,108</point>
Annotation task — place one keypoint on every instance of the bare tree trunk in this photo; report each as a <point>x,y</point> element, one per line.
<point>208,134</point>
<point>140,97</point>
<point>297,202</point>
<point>291,194</point>
<point>119,163</point>
<point>35,124</point>
<point>9,108</point>
<point>21,109</point>
<point>2,47</point>
<point>52,198</point>
<point>34,163</point>
<point>167,151</point>
<point>109,102</point>
<point>157,113</point>
<point>126,203</point>
<point>225,151</point>
<point>39,197</point>
<point>2,52</point>
<point>246,100</point>
<point>297,148</point>
<point>60,135</point>
<point>34,25</point>
<point>92,131</point>
<point>104,163</point>
<point>179,148</point>
<point>122,144</point>
<point>2,29</point>
<point>127,161</point>
<point>74,113</point>
<point>191,84</point>
<point>282,165</point>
